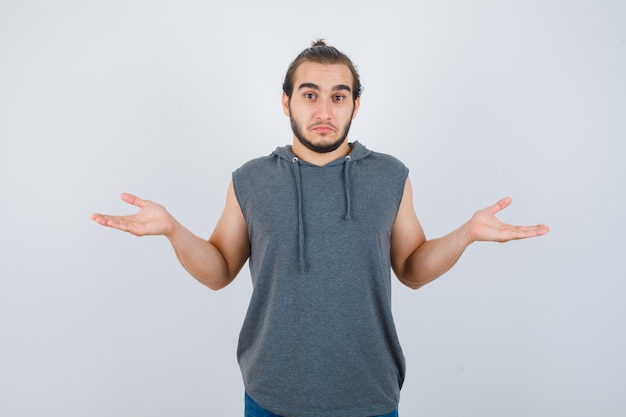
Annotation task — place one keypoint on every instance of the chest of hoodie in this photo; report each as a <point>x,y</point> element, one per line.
<point>349,202</point>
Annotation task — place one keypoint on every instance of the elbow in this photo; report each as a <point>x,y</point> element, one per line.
<point>406,279</point>
<point>415,280</point>
<point>214,287</point>
<point>411,284</point>
<point>414,286</point>
<point>215,284</point>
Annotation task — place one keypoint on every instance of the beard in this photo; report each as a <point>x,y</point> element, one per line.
<point>321,148</point>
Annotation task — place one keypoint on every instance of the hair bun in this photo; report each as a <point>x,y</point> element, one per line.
<point>319,42</point>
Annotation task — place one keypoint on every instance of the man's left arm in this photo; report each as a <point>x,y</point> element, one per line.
<point>417,261</point>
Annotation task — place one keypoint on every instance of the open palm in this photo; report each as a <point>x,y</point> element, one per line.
<point>485,226</point>
<point>152,218</point>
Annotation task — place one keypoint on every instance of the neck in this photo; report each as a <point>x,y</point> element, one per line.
<point>319,158</point>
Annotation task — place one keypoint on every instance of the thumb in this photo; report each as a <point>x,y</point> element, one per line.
<point>133,199</point>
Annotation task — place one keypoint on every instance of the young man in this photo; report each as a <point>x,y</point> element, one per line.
<point>322,223</point>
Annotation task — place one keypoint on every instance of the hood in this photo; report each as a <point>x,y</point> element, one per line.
<point>358,152</point>
<point>284,152</point>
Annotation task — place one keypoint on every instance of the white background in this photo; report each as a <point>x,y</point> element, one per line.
<point>163,99</point>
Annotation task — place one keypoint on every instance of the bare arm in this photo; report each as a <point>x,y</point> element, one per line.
<point>417,261</point>
<point>215,262</point>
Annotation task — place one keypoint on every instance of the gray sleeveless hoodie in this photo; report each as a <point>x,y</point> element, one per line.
<point>319,339</point>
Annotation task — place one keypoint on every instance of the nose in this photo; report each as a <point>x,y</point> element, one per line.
<point>323,110</point>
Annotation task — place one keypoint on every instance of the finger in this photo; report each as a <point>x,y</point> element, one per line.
<point>523,232</point>
<point>134,200</point>
<point>542,229</point>
<point>106,220</point>
<point>98,218</point>
<point>502,204</point>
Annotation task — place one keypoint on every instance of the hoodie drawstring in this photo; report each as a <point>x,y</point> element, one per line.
<point>346,184</point>
<point>296,166</point>
<point>348,216</point>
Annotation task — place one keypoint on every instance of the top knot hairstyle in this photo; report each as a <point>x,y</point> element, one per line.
<point>321,53</point>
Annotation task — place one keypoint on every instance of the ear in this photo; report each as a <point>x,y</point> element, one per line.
<point>285,102</point>
<point>357,104</point>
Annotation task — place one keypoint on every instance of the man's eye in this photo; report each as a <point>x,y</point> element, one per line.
<point>339,98</point>
<point>309,96</point>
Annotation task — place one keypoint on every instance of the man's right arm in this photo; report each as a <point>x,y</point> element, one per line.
<point>215,262</point>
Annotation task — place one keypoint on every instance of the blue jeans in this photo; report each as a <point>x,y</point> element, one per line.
<point>255,410</point>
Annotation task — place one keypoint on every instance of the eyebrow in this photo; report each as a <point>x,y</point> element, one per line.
<point>316,87</point>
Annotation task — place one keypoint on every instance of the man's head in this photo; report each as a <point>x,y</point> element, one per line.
<point>321,96</point>
<point>321,53</point>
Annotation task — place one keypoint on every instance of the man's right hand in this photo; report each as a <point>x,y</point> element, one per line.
<point>215,262</point>
<point>152,219</point>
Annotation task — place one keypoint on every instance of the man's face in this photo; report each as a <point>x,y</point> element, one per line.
<point>321,107</point>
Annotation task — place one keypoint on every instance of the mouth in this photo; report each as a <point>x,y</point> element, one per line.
<point>323,128</point>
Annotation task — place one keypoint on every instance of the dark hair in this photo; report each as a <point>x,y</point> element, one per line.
<point>321,53</point>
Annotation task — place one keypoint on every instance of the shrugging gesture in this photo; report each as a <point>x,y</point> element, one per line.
<point>299,271</point>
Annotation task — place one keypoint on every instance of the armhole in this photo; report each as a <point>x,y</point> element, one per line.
<point>237,191</point>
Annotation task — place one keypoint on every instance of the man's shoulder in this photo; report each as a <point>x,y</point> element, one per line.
<point>360,152</point>
<point>381,162</point>
<point>281,153</point>
<point>256,162</point>
<point>257,172</point>
<point>385,157</point>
